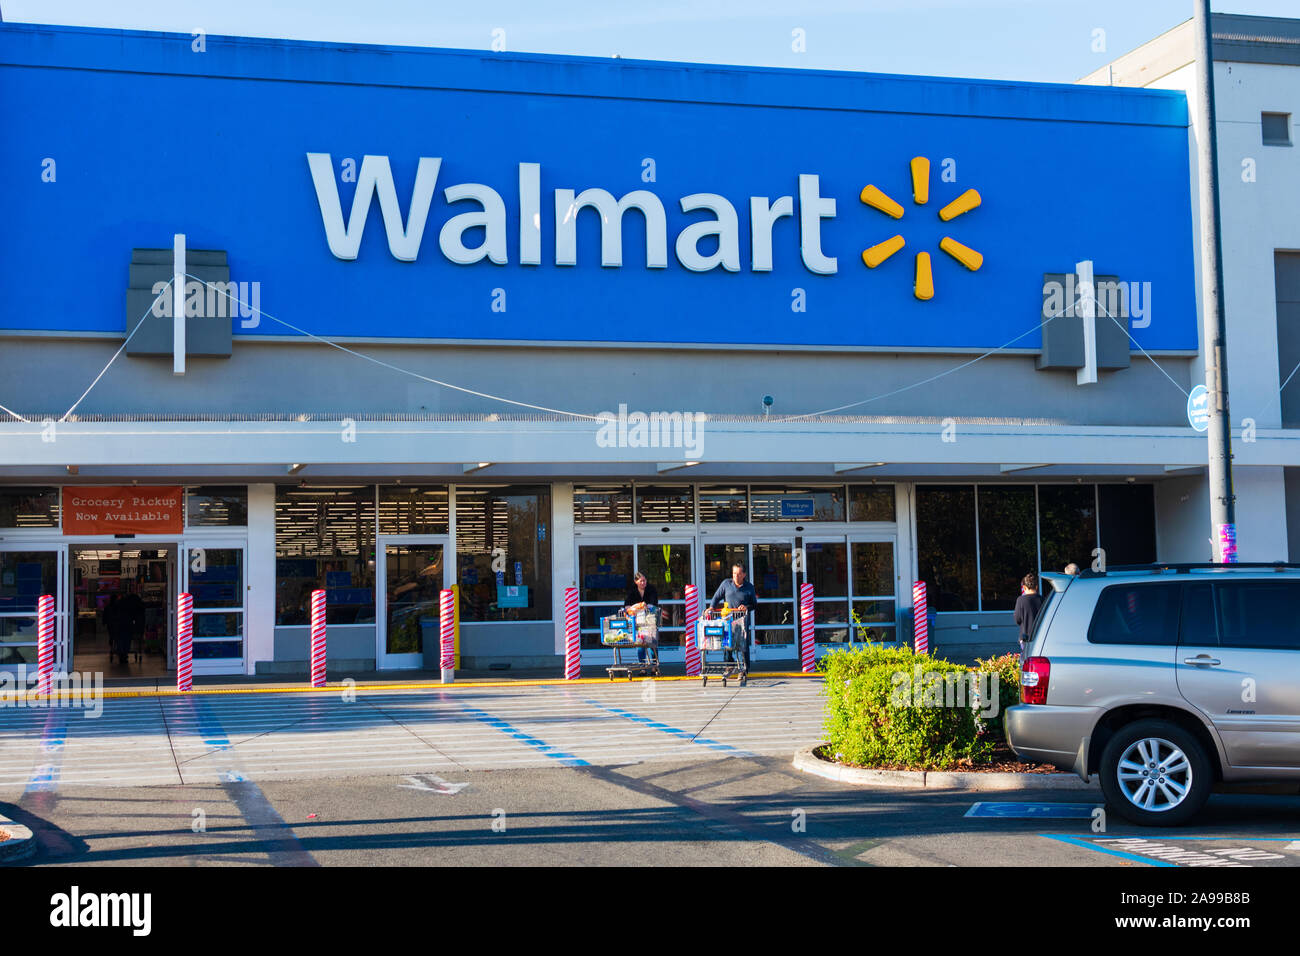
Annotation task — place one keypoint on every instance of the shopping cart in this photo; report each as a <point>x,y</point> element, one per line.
<point>725,633</point>
<point>623,632</point>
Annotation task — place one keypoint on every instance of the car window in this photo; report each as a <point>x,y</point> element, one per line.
<point>1136,614</point>
<point>1259,614</point>
<point>1197,628</point>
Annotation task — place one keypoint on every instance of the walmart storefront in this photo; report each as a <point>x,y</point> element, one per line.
<point>515,323</point>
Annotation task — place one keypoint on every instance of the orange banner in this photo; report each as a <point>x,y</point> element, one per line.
<point>131,509</point>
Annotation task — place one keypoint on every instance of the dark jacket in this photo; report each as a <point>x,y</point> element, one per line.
<point>633,596</point>
<point>1027,608</point>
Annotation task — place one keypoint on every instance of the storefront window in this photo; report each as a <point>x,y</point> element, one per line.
<point>796,504</point>
<point>413,509</point>
<point>665,504</point>
<point>945,538</point>
<point>1067,525</point>
<point>723,504</point>
<point>871,502</point>
<point>28,507</point>
<point>1015,540</point>
<point>325,538</point>
<point>1008,543</point>
<point>828,573</point>
<point>213,506</point>
<point>509,526</point>
<point>602,504</point>
<point>1128,523</point>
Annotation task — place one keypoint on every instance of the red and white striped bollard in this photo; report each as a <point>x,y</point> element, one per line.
<point>447,634</point>
<point>572,644</point>
<point>318,638</point>
<point>692,617</point>
<point>45,645</point>
<point>184,641</point>
<point>920,623</point>
<point>807,638</point>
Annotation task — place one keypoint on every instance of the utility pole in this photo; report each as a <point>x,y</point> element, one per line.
<point>1223,510</point>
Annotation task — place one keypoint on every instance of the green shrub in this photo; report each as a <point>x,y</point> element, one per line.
<point>888,706</point>
<point>1007,667</point>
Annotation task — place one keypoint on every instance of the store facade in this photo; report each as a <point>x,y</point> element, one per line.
<point>517,323</point>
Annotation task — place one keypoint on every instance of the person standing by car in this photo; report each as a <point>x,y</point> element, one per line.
<point>739,595</point>
<point>640,595</point>
<point>1028,605</point>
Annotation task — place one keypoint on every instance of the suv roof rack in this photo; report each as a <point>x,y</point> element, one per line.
<point>1185,568</point>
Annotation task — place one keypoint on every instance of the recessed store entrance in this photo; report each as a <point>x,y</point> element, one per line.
<point>121,602</point>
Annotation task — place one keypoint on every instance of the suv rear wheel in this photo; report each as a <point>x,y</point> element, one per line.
<point>1155,773</point>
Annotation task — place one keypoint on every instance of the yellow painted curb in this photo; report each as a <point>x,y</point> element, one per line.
<point>360,688</point>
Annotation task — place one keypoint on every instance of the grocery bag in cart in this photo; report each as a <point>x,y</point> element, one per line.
<point>713,634</point>
<point>618,630</point>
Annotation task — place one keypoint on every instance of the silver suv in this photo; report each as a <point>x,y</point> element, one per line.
<point>1165,680</point>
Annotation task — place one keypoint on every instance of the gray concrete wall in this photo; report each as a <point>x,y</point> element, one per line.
<point>953,638</point>
<point>1183,520</point>
<point>295,377</point>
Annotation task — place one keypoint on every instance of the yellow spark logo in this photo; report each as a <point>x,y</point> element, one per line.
<point>873,197</point>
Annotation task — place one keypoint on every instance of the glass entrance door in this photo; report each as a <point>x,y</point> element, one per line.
<point>873,590</point>
<point>769,564</point>
<point>854,583</point>
<point>25,575</point>
<point>826,568</point>
<point>412,571</point>
<point>213,574</point>
<point>606,572</point>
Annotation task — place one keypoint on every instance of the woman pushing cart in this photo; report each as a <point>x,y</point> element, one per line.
<point>637,625</point>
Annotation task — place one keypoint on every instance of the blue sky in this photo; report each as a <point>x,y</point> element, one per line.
<point>1045,40</point>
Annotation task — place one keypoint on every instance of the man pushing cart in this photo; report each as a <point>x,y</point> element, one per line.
<point>725,627</point>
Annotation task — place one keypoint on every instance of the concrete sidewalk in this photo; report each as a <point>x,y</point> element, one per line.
<point>405,679</point>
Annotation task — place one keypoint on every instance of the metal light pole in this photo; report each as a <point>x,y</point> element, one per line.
<point>1223,511</point>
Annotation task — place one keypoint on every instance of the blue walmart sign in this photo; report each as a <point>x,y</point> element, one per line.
<point>393,192</point>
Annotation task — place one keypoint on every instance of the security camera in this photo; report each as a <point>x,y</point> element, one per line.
<point>767,403</point>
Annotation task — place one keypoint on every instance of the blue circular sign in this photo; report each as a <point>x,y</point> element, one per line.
<point>1198,408</point>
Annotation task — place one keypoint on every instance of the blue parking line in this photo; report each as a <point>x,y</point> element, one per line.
<point>45,777</point>
<point>1107,850</point>
<point>673,731</point>
<point>212,733</point>
<point>510,730</point>
<point>283,847</point>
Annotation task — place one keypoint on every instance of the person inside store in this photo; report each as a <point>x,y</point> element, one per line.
<point>124,621</point>
<point>739,595</point>
<point>640,595</point>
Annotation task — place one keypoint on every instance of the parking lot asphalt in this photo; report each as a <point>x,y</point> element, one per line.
<point>617,774</point>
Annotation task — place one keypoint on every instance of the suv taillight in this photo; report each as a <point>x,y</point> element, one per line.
<point>1034,674</point>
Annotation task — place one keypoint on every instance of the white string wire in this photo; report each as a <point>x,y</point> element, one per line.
<point>120,350</point>
<point>403,371</point>
<point>1186,394</point>
<point>15,415</point>
<point>395,368</point>
<point>978,358</point>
